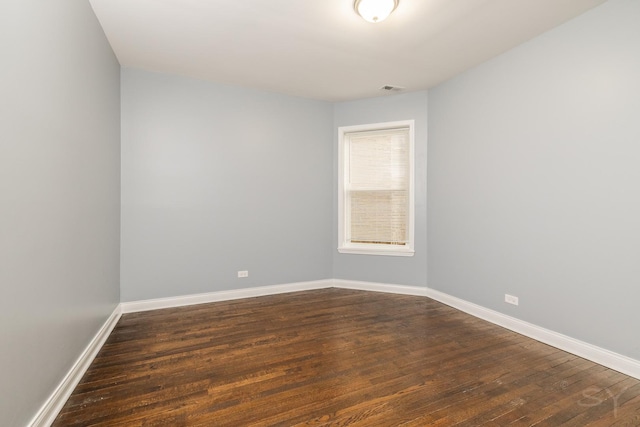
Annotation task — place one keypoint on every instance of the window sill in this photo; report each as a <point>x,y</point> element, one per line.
<point>378,250</point>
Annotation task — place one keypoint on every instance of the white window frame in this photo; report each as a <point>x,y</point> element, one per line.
<point>346,247</point>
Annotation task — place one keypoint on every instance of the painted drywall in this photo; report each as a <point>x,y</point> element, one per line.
<point>534,180</point>
<point>218,179</point>
<point>377,268</point>
<point>59,195</point>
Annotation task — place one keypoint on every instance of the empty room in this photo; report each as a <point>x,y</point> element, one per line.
<point>330,213</point>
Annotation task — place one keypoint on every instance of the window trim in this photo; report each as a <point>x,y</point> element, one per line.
<point>345,247</point>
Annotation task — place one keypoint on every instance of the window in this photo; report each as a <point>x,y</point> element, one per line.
<point>376,182</point>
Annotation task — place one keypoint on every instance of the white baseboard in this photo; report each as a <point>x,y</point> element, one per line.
<point>49,411</point>
<point>47,414</point>
<point>179,301</point>
<point>599,355</point>
<point>380,287</point>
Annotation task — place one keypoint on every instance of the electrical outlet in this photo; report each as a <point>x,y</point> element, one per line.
<point>243,273</point>
<point>510,299</point>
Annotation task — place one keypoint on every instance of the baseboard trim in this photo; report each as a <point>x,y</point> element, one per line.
<point>184,300</point>
<point>380,287</point>
<point>50,409</point>
<point>615,361</point>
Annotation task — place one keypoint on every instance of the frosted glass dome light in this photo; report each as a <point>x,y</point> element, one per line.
<point>375,10</point>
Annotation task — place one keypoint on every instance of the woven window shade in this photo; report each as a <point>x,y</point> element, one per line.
<point>378,186</point>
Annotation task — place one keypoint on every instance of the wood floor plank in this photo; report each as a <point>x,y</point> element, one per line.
<point>336,357</point>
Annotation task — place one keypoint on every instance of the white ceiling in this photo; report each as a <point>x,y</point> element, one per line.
<point>321,49</point>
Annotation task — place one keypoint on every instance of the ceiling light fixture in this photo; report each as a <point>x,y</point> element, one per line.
<point>375,10</point>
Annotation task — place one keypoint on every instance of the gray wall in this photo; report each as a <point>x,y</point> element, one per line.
<point>59,195</point>
<point>534,180</point>
<point>375,268</point>
<point>217,179</point>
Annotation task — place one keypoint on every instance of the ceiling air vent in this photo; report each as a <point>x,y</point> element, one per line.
<point>391,88</point>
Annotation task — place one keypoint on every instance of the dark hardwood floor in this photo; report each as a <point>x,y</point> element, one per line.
<point>338,357</point>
